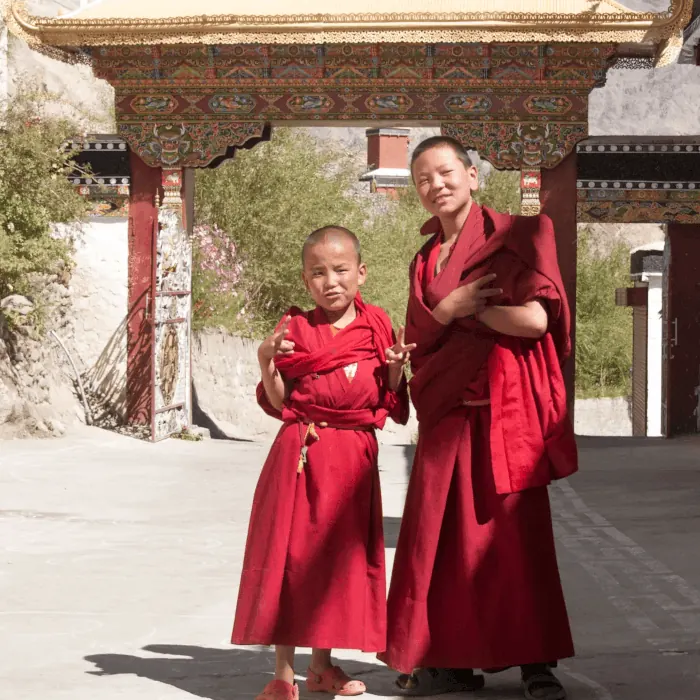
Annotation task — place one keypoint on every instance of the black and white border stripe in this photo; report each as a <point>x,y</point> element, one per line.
<point>635,185</point>
<point>97,146</point>
<point>638,148</point>
<point>101,180</point>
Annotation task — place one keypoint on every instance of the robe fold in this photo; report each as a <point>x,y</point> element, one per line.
<point>475,581</point>
<point>313,571</point>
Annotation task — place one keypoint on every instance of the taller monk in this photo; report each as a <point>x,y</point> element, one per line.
<point>476,583</point>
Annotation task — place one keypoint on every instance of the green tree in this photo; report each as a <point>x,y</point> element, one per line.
<point>34,192</point>
<point>270,198</point>
<point>603,330</point>
<point>501,191</point>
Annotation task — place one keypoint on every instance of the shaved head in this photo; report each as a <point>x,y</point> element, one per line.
<point>327,234</point>
<point>442,142</point>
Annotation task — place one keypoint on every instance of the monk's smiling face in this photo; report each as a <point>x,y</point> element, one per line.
<point>444,182</point>
<point>333,273</point>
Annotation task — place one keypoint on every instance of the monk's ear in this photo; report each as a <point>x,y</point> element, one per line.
<point>474,178</point>
<point>361,274</point>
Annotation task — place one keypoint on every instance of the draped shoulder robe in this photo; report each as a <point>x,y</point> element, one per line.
<point>313,571</point>
<point>475,581</point>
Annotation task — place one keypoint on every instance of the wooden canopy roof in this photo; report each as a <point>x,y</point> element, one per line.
<point>136,22</point>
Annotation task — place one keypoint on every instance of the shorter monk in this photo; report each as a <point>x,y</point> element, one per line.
<point>313,573</point>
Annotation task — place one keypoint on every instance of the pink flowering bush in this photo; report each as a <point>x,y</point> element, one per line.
<point>216,272</point>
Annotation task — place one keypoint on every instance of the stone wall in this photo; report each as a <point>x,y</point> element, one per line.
<point>75,92</point>
<point>38,393</point>
<point>658,102</point>
<point>609,417</point>
<point>36,396</point>
<point>225,373</point>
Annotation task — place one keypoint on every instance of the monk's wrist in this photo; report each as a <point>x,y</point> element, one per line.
<point>443,312</point>
<point>266,363</point>
<point>396,376</point>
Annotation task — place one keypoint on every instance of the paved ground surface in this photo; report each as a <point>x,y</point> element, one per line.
<point>120,563</point>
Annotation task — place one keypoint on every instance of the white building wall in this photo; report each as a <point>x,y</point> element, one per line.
<point>4,72</point>
<point>654,354</point>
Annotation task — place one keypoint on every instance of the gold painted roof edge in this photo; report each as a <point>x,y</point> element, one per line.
<point>67,33</point>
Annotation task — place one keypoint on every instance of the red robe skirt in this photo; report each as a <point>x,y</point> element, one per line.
<point>475,581</point>
<point>313,572</point>
<point>493,596</point>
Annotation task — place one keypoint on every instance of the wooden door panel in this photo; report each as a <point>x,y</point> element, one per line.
<point>683,331</point>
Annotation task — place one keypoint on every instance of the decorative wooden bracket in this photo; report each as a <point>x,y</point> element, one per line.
<point>185,144</point>
<point>527,146</point>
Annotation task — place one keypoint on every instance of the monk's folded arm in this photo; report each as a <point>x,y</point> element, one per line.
<point>443,313</point>
<point>273,382</point>
<point>527,321</point>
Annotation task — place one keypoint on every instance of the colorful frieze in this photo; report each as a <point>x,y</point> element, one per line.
<point>638,212</point>
<point>175,104</point>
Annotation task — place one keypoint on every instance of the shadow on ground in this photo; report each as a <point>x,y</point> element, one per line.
<point>223,674</point>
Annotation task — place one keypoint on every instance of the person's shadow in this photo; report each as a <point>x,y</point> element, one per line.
<point>224,674</point>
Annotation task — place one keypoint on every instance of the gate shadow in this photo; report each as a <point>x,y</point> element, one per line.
<point>223,674</point>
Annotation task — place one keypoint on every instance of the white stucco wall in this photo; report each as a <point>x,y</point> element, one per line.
<point>99,288</point>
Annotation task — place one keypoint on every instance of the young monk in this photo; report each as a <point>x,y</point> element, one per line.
<point>475,581</point>
<point>313,573</point>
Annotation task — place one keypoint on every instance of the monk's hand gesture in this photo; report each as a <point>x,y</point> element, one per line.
<point>400,353</point>
<point>467,300</point>
<point>396,357</point>
<point>277,343</point>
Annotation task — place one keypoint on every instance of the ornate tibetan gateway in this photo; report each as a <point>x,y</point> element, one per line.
<point>193,81</point>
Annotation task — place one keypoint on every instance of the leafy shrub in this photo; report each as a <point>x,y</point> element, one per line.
<point>270,198</point>
<point>603,330</point>
<point>35,193</point>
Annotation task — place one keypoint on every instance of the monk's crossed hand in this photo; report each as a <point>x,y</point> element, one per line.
<point>400,353</point>
<point>470,299</point>
<point>277,343</point>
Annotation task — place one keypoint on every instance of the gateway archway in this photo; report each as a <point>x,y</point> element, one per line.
<point>511,81</point>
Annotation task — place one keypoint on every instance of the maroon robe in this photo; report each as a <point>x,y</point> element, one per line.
<point>475,581</point>
<point>313,572</point>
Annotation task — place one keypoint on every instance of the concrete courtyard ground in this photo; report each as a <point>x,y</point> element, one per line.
<point>120,563</point>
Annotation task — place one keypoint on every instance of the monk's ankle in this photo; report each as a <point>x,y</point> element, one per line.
<point>529,670</point>
<point>319,669</point>
<point>320,661</point>
<point>286,676</point>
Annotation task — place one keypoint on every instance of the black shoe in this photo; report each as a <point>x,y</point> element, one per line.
<point>438,681</point>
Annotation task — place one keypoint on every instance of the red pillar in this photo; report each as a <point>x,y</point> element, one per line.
<point>558,197</point>
<point>143,216</point>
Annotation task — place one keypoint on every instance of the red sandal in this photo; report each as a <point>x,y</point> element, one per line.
<point>279,690</point>
<point>335,681</point>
